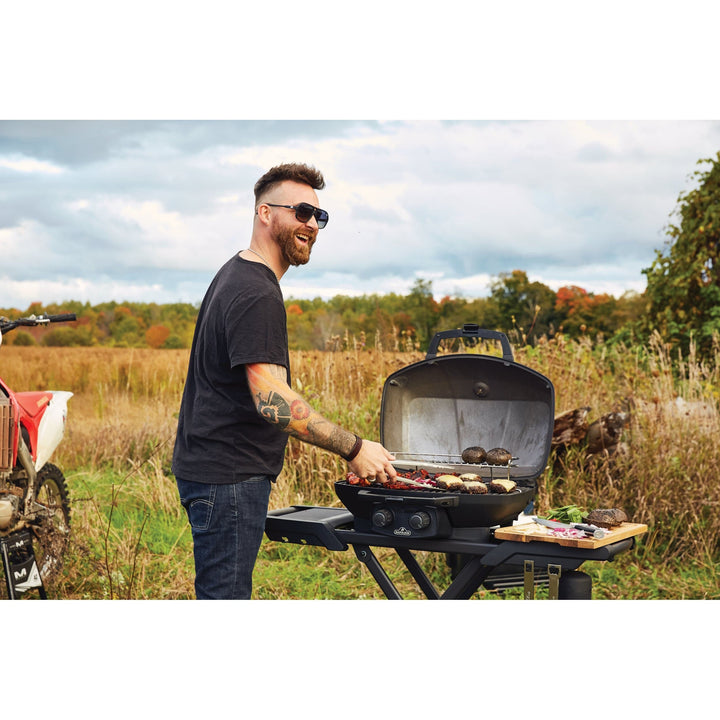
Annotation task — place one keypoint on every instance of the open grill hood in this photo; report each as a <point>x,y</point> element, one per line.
<point>433,409</point>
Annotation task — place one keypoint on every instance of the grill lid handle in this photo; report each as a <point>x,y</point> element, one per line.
<point>470,330</point>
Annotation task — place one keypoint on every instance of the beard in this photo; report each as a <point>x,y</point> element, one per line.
<point>292,252</point>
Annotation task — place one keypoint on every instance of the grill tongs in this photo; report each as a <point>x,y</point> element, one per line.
<point>408,481</point>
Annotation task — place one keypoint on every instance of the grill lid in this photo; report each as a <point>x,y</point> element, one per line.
<point>433,409</point>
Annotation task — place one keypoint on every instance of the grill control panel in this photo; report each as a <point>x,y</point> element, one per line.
<point>403,520</point>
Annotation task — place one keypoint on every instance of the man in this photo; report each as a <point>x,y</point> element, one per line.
<point>238,408</point>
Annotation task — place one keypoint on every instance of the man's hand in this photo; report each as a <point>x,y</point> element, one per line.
<point>373,462</point>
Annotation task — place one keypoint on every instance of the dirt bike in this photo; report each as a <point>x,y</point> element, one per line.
<point>34,500</point>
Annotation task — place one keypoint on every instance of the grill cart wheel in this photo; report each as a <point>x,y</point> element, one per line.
<point>575,585</point>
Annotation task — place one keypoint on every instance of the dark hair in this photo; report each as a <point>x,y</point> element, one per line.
<point>297,172</point>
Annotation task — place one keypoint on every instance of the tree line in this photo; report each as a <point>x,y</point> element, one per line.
<point>524,310</point>
<point>681,303</point>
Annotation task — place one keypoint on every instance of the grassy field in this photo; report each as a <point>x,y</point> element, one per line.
<point>131,539</point>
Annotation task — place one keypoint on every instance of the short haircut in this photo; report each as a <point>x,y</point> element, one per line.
<point>297,172</point>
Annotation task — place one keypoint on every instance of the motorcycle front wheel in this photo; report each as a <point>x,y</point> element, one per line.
<point>52,532</point>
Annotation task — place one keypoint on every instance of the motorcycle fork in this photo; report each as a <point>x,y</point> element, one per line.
<point>25,459</point>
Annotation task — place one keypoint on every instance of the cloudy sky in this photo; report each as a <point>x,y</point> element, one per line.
<point>148,210</point>
<point>566,137</point>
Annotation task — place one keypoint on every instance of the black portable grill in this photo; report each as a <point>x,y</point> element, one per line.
<point>434,409</point>
<point>431,411</point>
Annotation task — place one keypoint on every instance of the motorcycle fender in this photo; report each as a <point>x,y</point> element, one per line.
<point>51,427</point>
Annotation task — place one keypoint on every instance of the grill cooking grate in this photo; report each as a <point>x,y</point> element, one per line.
<point>453,458</point>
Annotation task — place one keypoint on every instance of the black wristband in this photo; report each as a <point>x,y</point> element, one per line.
<point>355,450</point>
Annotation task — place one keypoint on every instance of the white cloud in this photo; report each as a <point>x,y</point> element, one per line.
<point>26,242</point>
<point>29,165</point>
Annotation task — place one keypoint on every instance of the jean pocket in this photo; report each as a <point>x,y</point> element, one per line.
<point>200,514</point>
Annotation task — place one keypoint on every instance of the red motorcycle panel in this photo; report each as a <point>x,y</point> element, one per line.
<point>32,406</point>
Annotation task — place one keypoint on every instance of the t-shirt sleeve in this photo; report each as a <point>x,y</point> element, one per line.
<point>256,331</point>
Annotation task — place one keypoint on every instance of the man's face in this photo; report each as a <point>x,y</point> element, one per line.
<point>294,238</point>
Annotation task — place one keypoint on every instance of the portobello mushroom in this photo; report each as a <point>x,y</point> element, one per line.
<point>498,456</point>
<point>474,454</point>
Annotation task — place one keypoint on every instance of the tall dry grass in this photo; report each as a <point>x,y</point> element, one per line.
<point>122,423</point>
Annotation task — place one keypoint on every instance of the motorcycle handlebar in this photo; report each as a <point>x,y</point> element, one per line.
<point>7,325</point>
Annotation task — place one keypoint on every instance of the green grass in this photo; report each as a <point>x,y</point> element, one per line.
<point>131,540</point>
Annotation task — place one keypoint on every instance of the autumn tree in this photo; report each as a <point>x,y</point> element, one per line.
<point>522,307</point>
<point>683,283</point>
<point>584,313</point>
<point>156,335</point>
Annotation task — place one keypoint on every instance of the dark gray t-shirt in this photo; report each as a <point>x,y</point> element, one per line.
<point>221,438</point>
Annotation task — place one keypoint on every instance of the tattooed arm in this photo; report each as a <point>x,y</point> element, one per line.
<point>280,405</point>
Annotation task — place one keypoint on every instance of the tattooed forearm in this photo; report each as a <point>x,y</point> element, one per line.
<point>274,408</point>
<point>277,403</point>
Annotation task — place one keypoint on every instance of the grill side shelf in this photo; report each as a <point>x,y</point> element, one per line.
<point>308,525</point>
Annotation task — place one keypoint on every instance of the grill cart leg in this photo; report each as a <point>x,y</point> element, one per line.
<point>418,574</point>
<point>20,566</point>
<point>365,555</point>
<point>462,588</point>
<point>468,580</point>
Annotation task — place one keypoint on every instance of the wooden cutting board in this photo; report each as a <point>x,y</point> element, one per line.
<point>528,532</point>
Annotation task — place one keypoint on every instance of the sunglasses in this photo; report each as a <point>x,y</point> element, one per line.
<point>304,211</point>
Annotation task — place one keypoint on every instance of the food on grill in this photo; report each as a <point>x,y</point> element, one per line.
<point>607,517</point>
<point>475,487</point>
<point>474,454</point>
<point>502,486</point>
<point>498,456</point>
<point>465,477</point>
<point>449,482</point>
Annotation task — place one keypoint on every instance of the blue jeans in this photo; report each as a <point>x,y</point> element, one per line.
<point>227,523</point>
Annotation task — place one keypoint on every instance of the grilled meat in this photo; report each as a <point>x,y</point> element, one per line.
<point>607,517</point>
<point>498,456</point>
<point>449,482</point>
<point>502,486</point>
<point>474,454</point>
<point>475,487</point>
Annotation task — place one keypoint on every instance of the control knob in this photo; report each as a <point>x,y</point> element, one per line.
<point>382,517</point>
<point>419,520</point>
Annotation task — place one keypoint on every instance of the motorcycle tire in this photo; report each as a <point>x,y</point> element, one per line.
<point>52,533</point>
